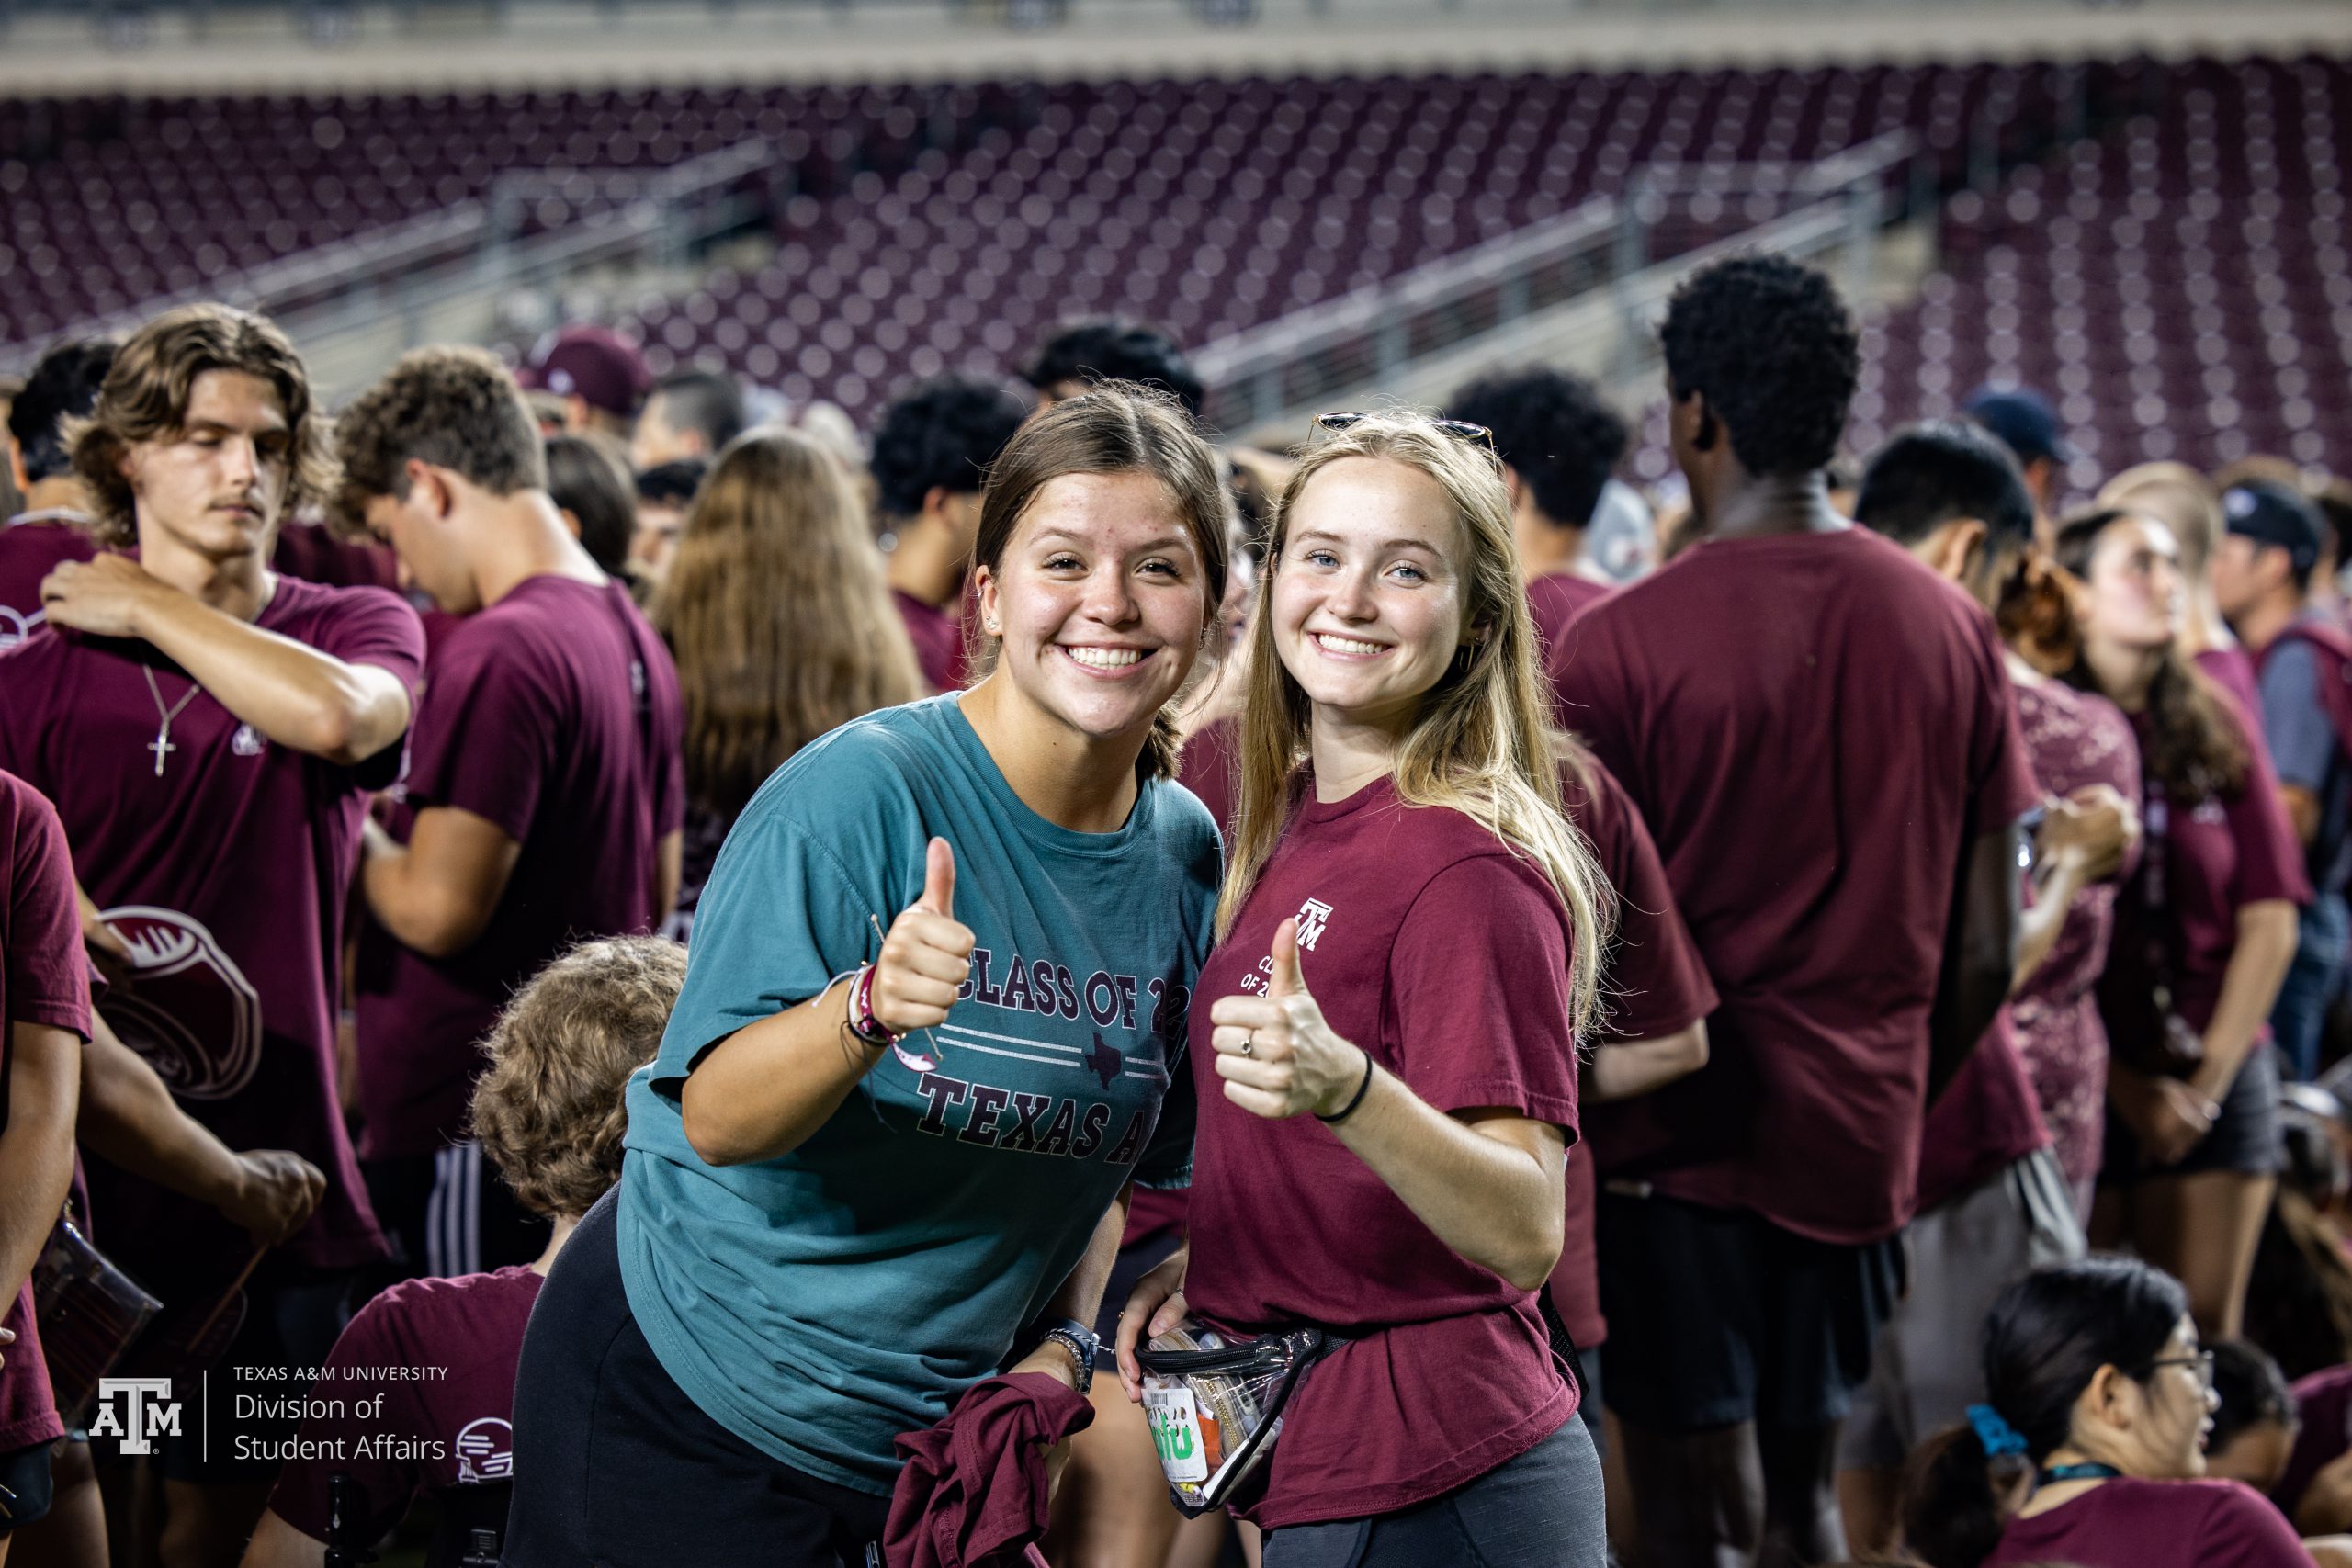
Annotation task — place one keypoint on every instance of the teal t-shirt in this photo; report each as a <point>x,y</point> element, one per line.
<point>818,1304</point>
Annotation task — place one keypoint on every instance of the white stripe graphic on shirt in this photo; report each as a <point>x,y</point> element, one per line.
<point>1009,1040</point>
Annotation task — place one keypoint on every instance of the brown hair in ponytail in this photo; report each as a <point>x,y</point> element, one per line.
<point>2196,744</point>
<point>1116,428</point>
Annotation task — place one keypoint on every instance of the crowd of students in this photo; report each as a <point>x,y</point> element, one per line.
<point>1658,1048</point>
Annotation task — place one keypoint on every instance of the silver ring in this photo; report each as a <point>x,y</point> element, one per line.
<point>1250,1043</point>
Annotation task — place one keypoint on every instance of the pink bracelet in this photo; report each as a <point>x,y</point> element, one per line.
<point>862,1022</point>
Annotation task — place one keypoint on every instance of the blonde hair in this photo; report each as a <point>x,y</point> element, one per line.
<point>777,616</point>
<point>548,1112</point>
<point>1482,744</point>
<point>2176,496</point>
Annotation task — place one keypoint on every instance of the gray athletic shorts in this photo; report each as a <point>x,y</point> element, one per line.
<point>1928,1367</point>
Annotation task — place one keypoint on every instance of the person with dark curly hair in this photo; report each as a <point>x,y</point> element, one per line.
<point>50,525</point>
<point>210,731</point>
<point>2204,934</point>
<point>1089,353</point>
<point>550,1118</point>
<point>1557,442</point>
<point>1819,734</point>
<point>932,453</point>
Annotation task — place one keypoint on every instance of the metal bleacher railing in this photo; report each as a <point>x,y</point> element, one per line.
<point>1621,249</point>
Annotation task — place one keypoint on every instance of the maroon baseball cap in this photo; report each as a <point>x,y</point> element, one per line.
<point>596,364</point>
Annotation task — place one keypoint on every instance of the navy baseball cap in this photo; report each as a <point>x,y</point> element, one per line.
<point>2271,514</point>
<point>2024,421</point>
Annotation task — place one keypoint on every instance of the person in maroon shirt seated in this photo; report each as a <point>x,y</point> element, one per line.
<point>1993,1200</point>
<point>549,1113</point>
<point>2087,1447</point>
<point>210,730</point>
<point>1559,442</point>
<point>2203,935</point>
<point>2315,1491</point>
<point>1819,735</point>
<point>54,522</point>
<point>931,452</point>
<point>44,1018</point>
<point>545,775</point>
<point>1409,935</point>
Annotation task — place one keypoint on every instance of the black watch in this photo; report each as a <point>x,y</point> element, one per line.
<point>1082,1343</point>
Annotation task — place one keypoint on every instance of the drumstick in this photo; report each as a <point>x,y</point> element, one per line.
<point>234,1286</point>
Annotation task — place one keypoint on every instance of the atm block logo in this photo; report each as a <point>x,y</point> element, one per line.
<point>137,1411</point>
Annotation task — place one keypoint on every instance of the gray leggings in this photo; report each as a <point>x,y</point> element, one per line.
<point>1540,1510</point>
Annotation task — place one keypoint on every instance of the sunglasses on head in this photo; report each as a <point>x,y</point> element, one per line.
<point>1349,419</point>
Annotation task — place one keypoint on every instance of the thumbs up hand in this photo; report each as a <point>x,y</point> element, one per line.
<point>926,954</point>
<point>1276,1054</point>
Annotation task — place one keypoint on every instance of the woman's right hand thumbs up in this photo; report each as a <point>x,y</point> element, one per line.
<point>926,954</point>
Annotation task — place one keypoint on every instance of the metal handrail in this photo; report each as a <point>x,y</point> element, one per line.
<point>317,292</point>
<point>1257,374</point>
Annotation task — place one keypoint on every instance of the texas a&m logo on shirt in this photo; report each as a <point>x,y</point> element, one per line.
<point>189,1008</point>
<point>1313,916</point>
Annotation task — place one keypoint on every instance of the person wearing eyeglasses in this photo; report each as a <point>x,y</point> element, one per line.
<point>1820,735</point>
<point>2088,1448</point>
<point>1384,1040</point>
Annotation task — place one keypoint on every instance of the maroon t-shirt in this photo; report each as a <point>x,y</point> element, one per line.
<point>939,640</point>
<point>2129,1523</point>
<point>1555,599</point>
<point>2201,861</point>
<point>2075,740</point>
<point>31,546</point>
<point>1985,1121</point>
<point>2232,670</point>
<point>442,1353</point>
<point>1813,727</point>
<point>1207,767</point>
<point>1653,984</point>
<point>41,981</point>
<point>553,714</point>
<point>2323,1406</point>
<point>311,552</point>
<point>1430,944</point>
<point>225,874</point>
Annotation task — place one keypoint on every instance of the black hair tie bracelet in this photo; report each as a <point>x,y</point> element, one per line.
<point>1349,1108</point>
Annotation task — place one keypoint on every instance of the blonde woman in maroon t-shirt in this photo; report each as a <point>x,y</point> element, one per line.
<point>1384,1042</point>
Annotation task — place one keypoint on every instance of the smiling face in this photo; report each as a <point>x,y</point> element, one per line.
<point>1101,600</point>
<point>2134,585</point>
<point>1367,602</point>
<point>214,487</point>
<point>2179,1410</point>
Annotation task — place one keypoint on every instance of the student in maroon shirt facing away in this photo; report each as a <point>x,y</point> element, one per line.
<point>2203,935</point>
<point>549,1113</point>
<point>2088,1448</point>
<point>1558,441</point>
<point>545,774</point>
<point>1993,1200</point>
<point>1819,735</point>
<point>209,731</point>
<point>932,453</point>
<point>1409,936</point>
<point>52,526</point>
<point>44,1018</point>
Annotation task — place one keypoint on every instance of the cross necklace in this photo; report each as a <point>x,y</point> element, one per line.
<point>162,745</point>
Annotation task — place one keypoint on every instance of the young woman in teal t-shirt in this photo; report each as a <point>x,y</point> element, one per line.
<point>931,1029</point>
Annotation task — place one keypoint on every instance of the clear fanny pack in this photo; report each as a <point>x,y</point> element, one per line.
<point>1215,1405</point>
